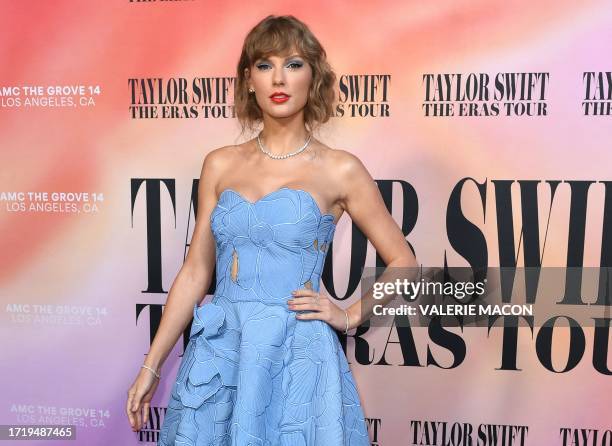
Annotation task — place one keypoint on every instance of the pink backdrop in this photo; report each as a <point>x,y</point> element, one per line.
<point>74,271</point>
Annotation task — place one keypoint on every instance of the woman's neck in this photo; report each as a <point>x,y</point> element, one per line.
<point>283,137</point>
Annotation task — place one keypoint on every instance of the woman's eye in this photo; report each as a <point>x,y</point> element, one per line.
<point>292,65</point>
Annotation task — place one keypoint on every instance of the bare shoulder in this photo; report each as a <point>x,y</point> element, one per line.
<point>221,155</point>
<point>340,161</point>
<point>218,160</point>
<point>215,165</point>
<point>347,163</point>
<point>347,169</point>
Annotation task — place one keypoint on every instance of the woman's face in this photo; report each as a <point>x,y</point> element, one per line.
<point>281,84</point>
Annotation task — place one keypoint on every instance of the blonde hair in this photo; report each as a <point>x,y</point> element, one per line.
<point>276,35</point>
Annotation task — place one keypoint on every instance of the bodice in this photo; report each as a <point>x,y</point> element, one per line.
<point>268,248</point>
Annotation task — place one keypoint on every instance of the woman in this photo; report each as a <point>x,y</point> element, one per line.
<point>263,364</point>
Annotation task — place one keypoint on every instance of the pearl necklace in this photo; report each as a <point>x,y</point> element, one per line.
<point>286,155</point>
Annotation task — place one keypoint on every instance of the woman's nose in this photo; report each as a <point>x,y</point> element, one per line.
<point>278,76</point>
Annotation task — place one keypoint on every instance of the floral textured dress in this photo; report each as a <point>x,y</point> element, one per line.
<point>253,374</point>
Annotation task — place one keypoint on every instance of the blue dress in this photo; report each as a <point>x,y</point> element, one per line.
<point>253,374</point>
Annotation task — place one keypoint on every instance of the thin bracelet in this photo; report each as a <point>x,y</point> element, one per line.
<point>149,368</point>
<point>347,323</point>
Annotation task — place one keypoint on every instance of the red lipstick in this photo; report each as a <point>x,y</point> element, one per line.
<point>279,97</point>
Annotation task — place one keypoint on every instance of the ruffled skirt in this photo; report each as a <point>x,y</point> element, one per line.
<point>253,374</point>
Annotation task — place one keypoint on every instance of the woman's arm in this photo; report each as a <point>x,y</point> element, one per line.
<point>360,197</point>
<point>193,279</point>
<point>363,202</point>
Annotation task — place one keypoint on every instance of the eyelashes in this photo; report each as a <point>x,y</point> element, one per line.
<point>293,65</point>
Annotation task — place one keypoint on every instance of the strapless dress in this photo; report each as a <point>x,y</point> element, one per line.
<point>252,373</point>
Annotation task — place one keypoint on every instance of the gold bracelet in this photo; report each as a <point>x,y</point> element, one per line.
<point>149,368</point>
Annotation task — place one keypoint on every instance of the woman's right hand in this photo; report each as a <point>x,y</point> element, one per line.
<point>139,398</point>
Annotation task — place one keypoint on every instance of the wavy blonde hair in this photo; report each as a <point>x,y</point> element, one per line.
<point>277,35</point>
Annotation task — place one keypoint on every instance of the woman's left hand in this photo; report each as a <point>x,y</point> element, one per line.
<point>322,308</point>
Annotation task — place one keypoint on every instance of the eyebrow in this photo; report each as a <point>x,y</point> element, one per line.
<point>288,57</point>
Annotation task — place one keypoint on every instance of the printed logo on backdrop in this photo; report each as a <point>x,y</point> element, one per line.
<point>363,96</point>
<point>481,94</point>
<point>53,97</point>
<point>597,93</point>
<point>443,433</point>
<point>571,436</point>
<point>52,202</point>
<point>181,98</point>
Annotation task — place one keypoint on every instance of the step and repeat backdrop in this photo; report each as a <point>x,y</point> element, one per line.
<point>487,126</point>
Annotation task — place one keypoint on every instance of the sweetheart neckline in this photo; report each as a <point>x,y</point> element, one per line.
<point>253,203</point>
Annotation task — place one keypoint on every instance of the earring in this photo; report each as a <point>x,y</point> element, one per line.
<point>251,90</point>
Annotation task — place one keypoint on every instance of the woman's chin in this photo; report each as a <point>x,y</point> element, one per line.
<point>280,112</point>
